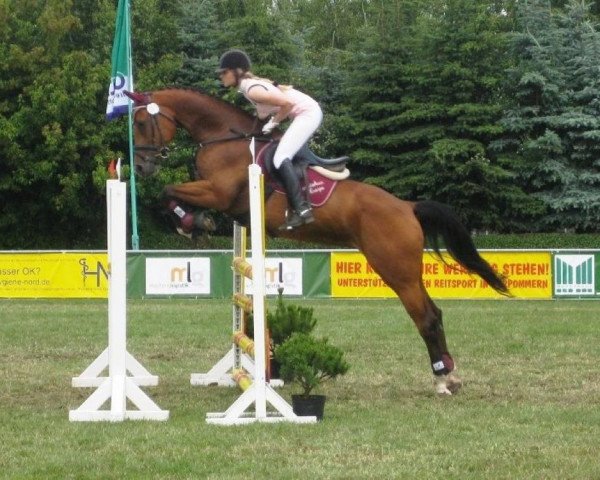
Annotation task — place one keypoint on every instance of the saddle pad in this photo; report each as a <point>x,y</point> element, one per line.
<point>320,187</point>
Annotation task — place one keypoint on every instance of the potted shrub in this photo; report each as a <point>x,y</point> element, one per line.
<point>282,323</point>
<point>309,362</point>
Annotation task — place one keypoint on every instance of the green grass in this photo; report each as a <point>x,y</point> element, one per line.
<point>529,408</point>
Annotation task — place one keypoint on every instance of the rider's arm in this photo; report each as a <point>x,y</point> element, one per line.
<point>272,97</point>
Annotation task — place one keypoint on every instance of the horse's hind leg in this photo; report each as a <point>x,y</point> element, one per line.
<point>428,320</point>
<point>399,262</point>
<point>432,331</point>
<point>404,277</point>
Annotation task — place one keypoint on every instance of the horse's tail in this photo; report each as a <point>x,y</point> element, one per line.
<point>437,220</point>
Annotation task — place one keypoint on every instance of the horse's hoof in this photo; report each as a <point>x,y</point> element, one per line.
<point>446,384</point>
<point>205,222</point>
<point>442,390</point>
<point>185,234</point>
<point>453,383</point>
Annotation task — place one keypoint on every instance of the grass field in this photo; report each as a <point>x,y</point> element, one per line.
<point>529,409</point>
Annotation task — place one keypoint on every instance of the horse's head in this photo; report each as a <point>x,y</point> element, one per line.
<point>154,127</point>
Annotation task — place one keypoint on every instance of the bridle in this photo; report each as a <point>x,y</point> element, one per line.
<point>161,151</point>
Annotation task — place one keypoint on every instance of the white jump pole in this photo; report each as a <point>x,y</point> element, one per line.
<point>259,393</point>
<point>117,387</point>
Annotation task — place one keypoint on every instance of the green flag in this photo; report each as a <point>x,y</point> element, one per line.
<point>118,103</point>
<point>121,77</point>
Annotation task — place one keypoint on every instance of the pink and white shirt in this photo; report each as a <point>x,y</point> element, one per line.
<point>302,102</point>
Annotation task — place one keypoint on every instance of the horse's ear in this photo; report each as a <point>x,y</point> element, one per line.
<point>138,98</point>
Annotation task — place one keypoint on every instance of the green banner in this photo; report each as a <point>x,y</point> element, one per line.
<point>198,274</point>
<point>576,274</point>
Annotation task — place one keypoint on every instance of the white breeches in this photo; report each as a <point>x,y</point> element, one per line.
<point>297,134</point>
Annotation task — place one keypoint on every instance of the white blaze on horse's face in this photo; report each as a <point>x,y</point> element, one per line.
<point>152,108</point>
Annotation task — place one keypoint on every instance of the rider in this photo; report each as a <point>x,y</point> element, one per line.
<point>278,102</point>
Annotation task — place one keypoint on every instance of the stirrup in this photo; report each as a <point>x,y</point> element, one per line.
<point>294,219</point>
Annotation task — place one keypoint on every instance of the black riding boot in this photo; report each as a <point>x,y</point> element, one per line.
<point>300,211</point>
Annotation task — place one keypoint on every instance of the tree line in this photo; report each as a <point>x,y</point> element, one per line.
<point>491,106</point>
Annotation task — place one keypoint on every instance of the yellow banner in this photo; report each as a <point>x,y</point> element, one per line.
<point>529,275</point>
<point>54,275</point>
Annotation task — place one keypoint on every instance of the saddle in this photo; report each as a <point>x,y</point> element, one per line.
<point>318,176</point>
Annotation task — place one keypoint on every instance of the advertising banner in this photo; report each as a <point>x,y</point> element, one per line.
<point>177,275</point>
<point>280,272</point>
<point>528,274</point>
<point>301,273</point>
<point>576,274</point>
<point>185,273</point>
<point>352,276</point>
<point>54,275</point>
<point>310,274</point>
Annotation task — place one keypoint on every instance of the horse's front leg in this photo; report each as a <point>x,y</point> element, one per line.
<point>200,193</point>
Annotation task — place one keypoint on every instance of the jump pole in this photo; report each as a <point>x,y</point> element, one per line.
<point>221,373</point>
<point>259,393</point>
<point>118,387</point>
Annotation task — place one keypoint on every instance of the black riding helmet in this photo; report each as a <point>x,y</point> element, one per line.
<point>234,59</point>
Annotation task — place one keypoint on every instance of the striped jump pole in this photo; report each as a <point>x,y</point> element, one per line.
<point>121,388</point>
<point>222,372</point>
<point>258,394</point>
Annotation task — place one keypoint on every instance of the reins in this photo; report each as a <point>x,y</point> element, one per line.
<point>237,136</point>
<point>162,151</point>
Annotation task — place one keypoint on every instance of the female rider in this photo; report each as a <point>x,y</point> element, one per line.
<point>278,102</point>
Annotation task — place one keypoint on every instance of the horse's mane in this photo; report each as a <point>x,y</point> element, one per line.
<point>198,91</point>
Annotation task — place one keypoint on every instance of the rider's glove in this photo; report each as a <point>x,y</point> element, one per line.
<point>269,126</point>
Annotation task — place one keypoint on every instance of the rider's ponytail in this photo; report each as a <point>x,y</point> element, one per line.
<point>283,88</point>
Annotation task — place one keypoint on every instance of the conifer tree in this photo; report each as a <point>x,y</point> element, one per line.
<point>553,123</point>
<point>424,105</point>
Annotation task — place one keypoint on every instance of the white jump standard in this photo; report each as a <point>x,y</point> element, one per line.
<point>259,393</point>
<point>221,373</point>
<point>118,387</point>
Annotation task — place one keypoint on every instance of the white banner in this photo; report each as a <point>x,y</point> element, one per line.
<point>285,272</point>
<point>173,276</point>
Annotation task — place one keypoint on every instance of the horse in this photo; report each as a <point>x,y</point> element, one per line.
<point>390,232</point>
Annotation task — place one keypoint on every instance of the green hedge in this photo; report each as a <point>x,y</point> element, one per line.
<point>166,241</point>
<point>157,233</point>
<point>538,240</point>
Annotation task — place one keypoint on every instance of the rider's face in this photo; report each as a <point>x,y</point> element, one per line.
<point>227,78</point>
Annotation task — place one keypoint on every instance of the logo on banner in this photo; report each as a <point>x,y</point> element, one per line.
<point>86,271</point>
<point>177,276</point>
<point>574,274</point>
<point>284,272</point>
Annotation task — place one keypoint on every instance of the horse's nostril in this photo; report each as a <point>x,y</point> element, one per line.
<point>139,170</point>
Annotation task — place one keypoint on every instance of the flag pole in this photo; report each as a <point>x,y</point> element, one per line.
<point>118,103</point>
<point>135,239</point>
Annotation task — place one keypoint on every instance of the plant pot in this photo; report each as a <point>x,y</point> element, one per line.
<point>311,405</point>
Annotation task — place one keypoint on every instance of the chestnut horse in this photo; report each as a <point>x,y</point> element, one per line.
<point>391,233</point>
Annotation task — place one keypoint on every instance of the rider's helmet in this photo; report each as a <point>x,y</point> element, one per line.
<point>234,59</point>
